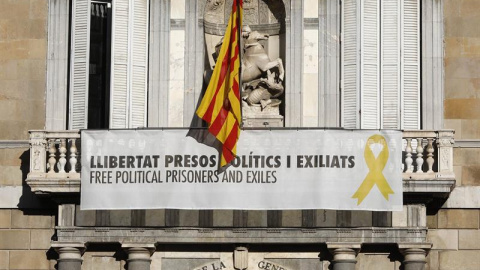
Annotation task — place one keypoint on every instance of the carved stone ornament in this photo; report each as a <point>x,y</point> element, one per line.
<point>446,142</point>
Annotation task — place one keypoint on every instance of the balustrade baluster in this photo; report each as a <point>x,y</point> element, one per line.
<point>62,160</point>
<point>52,160</point>
<point>430,159</point>
<point>73,156</point>
<point>408,159</point>
<point>419,159</point>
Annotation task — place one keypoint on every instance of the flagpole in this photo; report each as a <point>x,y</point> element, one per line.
<point>240,55</point>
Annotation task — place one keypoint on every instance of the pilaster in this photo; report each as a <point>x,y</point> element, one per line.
<point>432,64</point>
<point>294,63</point>
<point>57,64</point>
<point>159,63</point>
<point>445,152</point>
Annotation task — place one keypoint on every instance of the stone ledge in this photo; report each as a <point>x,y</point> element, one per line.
<point>44,184</point>
<point>70,183</point>
<point>251,236</point>
<point>467,143</point>
<point>428,186</point>
<point>9,144</point>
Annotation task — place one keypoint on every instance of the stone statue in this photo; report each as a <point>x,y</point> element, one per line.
<point>262,78</point>
<point>263,73</point>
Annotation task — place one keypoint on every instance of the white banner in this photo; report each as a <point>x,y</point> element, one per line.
<point>277,169</point>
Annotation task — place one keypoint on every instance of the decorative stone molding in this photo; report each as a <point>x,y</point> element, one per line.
<point>231,236</point>
<point>473,143</point>
<point>8,144</point>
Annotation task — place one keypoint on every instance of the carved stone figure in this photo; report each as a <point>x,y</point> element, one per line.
<point>263,42</point>
<point>262,78</point>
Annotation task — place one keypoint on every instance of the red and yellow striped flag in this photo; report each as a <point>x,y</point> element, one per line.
<point>220,106</point>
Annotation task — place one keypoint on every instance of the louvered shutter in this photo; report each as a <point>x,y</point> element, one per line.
<point>390,72</point>
<point>138,92</point>
<point>79,64</point>
<point>350,64</point>
<point>129,64</point>
<point>389,65</point>
<point>120,72</point>
<point>410,68</point>
<point>370,65</point>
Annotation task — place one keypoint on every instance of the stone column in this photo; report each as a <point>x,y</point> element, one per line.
<point>414,255</point>
<point>139,255</point>
<point>344,255</point>
<point>70,255</point>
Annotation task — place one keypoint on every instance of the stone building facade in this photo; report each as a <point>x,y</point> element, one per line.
<point>42,226</point>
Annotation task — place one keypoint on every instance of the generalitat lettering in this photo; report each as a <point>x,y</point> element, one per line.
<point>112,162</point>
<point>269,266</point>
<point>325,161</point>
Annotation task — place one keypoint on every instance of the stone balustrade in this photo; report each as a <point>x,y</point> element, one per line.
<point>428,154</point>
<point>55,159</point>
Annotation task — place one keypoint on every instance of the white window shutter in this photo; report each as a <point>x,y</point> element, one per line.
<point>350,64</point>
<point>129,64</point>
<point>390,36</point>
<point>79,64</point>
<point>410,68</point>
<point>370,65</point>
<point>139,54</point>
<point>119,68</point>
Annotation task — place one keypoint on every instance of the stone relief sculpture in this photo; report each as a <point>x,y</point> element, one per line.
<point>263,44</point>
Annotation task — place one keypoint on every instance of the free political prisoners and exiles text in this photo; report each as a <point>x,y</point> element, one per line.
<point>111,169</point>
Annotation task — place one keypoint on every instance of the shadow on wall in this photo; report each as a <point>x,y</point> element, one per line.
<point>30,203</point>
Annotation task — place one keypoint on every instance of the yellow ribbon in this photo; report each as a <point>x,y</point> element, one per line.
<point>376,166</point>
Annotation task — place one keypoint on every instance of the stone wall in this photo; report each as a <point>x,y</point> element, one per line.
<point>23,46</point>
<point>462,84</point>
<point>25,233</point>
<point>455,232</point>
<point>25,237</point>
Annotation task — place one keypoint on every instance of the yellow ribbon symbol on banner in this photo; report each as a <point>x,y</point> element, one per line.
<point>376,166</point>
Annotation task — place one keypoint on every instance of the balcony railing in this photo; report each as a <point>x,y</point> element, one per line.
<point>55,161</point>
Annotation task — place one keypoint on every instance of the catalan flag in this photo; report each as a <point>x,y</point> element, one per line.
<point>220,105</point>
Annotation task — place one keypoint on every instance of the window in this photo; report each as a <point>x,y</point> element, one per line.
<point>108,64</point>
<point>381,64</point>
<point>99,67</point>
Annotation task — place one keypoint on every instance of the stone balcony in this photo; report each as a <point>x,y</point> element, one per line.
<point>427,163</point>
